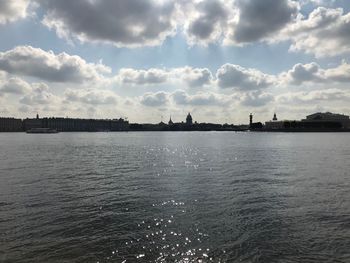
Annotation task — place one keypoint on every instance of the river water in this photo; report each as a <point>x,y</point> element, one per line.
<point>175,197</point>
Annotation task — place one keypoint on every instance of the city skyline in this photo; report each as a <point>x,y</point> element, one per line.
<point>219,60</point>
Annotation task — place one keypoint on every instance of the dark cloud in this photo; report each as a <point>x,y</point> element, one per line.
<point>121,22</point>
<point>260,19</point>
<point>212,14</point>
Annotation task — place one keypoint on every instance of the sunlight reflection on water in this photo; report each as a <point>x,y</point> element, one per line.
<point>174,197</point>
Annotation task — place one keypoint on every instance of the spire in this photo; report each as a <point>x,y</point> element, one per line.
<point>189,119</point>
<point>170,121</point>
<point>274,117</point>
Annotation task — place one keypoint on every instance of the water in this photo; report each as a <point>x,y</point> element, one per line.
<point>175,197</point>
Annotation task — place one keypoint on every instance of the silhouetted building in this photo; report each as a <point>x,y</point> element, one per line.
<point>315,122</point>
<point>312,126</point>
<point>329,117</point>
<point>274,117</point>
<point>33,123</point>
<point>74,125</point>
<point>170,121</point>
<point>254,125</point>
<point>189,119</point>
<point>11,125</point>
<point>274,124</point>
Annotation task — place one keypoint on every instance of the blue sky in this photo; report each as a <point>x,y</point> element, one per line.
<point>143,59</point>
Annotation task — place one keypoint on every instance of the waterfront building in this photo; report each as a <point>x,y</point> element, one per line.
<point>170,122</point>
<point>189,119</point>
<point>274,124</point>
<point>10,125</point>
<point>329,117</point>
<point>32,123</point>
<point>315,122</point>
<point>274,117</point>
<point>73,125</point>
<point>254,125</point>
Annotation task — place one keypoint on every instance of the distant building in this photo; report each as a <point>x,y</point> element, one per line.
<point>254,125</point>
<point>170,122</point>
<point>274,117</point>
<point>274,124</point>
<point>315,122</point>
<point>73,125</point>
<point>33,123</point>
<point>162,124</point>
<point>329,117</point>
<point>10,125</point>
<point>189,119</point>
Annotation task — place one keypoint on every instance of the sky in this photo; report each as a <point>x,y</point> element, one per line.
<point>147,60</point>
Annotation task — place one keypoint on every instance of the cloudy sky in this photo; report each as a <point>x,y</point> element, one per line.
<point>148,59</point>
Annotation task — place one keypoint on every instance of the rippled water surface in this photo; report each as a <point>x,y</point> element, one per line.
<point>175,197</point>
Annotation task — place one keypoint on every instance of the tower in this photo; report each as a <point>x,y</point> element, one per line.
<point>170,121</point>
<point>189,119</point>
<point>274,117</point>
<point>250,119</point>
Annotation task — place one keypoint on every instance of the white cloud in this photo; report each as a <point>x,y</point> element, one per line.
<point>325,32</point>
<point>155,99</point>
<point>143,77</point>
<point>313,73</point>
<point>180,97</point>
<point>255,98</point>
<point>318,2</point>
<point>338,74</point>
<point>46,65</point>
<point>192,77</point>
<point>14,85</point>
<point>91,96</point>
<point>123,23</point>
<point>40,95</point>
<point>235,76</point>
<point>303,73</point>
<point>315,96</point>
<point>12,10</point>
